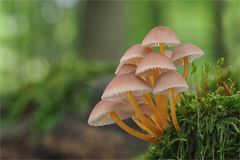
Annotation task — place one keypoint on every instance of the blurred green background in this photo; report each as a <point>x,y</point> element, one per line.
<point>56,57</point>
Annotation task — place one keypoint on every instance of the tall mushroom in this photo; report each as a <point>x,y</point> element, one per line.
<point>160,37</point>
<point>171,82</point>
<point>108,112</point>
<point>184,54</point>
<point>129,86</point>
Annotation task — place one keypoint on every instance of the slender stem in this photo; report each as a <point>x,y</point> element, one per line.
<point>156,73</point>
<point>131,131</point>
<point>185,63</point>
<point>173,109</point>
<point>152,81</point>
<point>185,74</point>
<point>158,121</point>
<point>161,102</point>
<point>140,125</point>
<point>140,115</point>
<point>144,78</point>
<point>162,45</point>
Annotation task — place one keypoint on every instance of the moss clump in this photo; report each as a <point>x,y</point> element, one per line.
<point>209,130</point>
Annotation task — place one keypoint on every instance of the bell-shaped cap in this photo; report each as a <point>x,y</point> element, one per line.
<point>134,54</point>
<point>161,35</point>
<point>125,68</point>
<point>170,79</point>
<point>183,50</point>
<point>152,61</point>
<point>100,115</point>
<point>118,87</point>
<point>168,54</point>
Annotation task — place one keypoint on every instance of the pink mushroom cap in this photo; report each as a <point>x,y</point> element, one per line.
<point>170,79</point>
<point>125,68</point>
<point>134,54</point>
<point>168,54</point>
<point>118,87</point>
<point>100,115</point>
<point>152,61</point>
<point>193,52</point>
<point>161,35</point>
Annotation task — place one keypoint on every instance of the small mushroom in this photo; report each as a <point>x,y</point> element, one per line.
<point>134,54</point>
<point>125,68</point>
<point>128,86</point>
<point>108,112</point>
<point>161,36</point>
<point>154,61</point>
<point>169,82</point>
<point>184,54</point>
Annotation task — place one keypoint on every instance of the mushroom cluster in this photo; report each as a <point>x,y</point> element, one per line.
<point>144,82</point>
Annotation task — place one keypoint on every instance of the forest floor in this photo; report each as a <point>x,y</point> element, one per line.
<point>74,139</point>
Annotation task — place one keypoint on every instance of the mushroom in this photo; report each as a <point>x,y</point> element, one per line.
<point>108,112</point>
<point>184,54</point>
<point>154,61</point>
<point>135,53</point>
<point>128,86</point>
<point>131,58</point>
<point>125,68</point>
<point>169,82</point>
<point>161,36</point>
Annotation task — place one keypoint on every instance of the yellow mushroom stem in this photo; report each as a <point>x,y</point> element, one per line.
<point>162,48</point>
<point>140,125</point>
<point>185,63</point>
<point>144,78</point>
<point>148,123</point>
<point>156,73</point>
<point>185,74</point>
<point>151,79</point>
<point>162,106</point>
<point>173,109</point>
<point>130,130</point>
<point>158,121</point>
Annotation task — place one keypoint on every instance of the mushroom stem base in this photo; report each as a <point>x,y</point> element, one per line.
<point>185,63</point>
<point>141,116</point>
<point>173,110</point>
<point>157,119</point>
<point>185,74</point>
<point>162,107</point>
<point>131,131</point>
<point>140,125</point>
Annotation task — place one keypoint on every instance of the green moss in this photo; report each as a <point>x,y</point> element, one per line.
<point>209,130</point>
